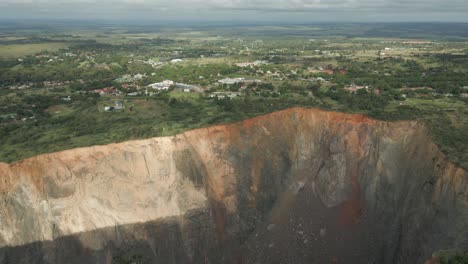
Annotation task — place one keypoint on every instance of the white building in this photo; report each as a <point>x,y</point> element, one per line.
<point>164,85</point>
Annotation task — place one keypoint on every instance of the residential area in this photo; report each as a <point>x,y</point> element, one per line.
<point>107,87</point>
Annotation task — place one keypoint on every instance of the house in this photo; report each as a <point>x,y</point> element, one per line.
<point>343,72</point>
<point>118,105</point>
<point>354,88</point>
<point>320,70</point>
<point>176,60</point>
<point>130,86</point>
<point>162,86</point>
<point>186,87</point>
<point>222,95</point>
<point>107,90</point>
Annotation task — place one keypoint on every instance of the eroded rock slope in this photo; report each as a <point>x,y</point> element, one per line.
<point>296,186</point>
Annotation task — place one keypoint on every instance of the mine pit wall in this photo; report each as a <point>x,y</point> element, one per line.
<point>201,195</point>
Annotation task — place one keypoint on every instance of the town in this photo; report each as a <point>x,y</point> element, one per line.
<point>81,88</point>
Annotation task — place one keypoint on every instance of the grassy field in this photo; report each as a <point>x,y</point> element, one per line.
<point>19,50</point>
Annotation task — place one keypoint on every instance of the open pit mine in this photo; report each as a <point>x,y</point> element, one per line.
<point>295,186</point>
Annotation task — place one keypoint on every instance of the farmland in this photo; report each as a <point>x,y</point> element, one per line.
<point>20,50</point>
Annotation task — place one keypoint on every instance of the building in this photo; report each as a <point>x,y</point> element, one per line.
<point>130,86</point>
<point>162,86</point>
<point>222,95</point>
<point>320,70</point>
<point>118,105</point>
<point>354,88</point>
<point>107,90</point>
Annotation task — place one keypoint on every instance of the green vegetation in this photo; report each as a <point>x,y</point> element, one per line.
<point>459,259</point>
<point>19,50</point>
<point>88,87</point>
<point>122,258</point>
<point>452,256</point>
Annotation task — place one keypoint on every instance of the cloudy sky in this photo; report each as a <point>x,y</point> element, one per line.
<point>240,10</point>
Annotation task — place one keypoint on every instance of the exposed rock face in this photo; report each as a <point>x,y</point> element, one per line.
<point>296,186</point>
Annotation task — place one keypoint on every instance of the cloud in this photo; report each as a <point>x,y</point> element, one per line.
<point>164,8</point>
